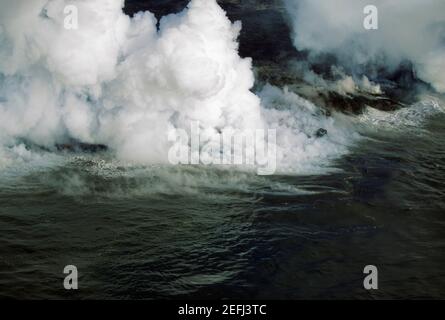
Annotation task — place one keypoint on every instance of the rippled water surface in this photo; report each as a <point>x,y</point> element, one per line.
<point>189,232</point>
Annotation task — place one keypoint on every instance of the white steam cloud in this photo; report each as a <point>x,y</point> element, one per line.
<point>118,81</point>
<point>121,82</point>
<point>408,30</point>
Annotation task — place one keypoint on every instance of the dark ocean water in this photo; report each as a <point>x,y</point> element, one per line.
<point>196,232</point>
<point>205,233</point>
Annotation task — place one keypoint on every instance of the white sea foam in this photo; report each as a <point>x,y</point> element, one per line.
<point>409,118</point>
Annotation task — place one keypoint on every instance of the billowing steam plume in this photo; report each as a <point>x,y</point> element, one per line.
<point>124,83</point>
<point>408,30</point>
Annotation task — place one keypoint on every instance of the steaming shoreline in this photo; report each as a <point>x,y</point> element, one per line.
<point>84,179</point>
<point>152,82</point>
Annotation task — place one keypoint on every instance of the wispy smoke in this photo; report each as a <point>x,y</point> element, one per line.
<point>408,30</point>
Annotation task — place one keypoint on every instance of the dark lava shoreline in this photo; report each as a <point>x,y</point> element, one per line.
<point>265,35</point>
<point>266,38</point>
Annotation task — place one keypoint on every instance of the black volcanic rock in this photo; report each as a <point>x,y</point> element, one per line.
<point>75,146</point>
<point>266,38</point>
<point>321,133</point>
<point>158,7</point>
<point>265,34</point>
